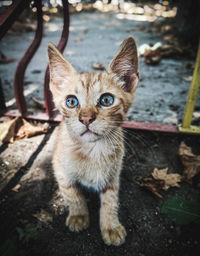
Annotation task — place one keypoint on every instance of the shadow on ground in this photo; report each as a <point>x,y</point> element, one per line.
<point>32,219</point>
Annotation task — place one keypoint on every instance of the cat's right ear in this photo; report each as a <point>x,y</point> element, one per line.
<point>125,65</point>
<point>61,71</point>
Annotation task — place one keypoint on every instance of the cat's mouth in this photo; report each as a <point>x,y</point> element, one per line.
<point>88,132</point>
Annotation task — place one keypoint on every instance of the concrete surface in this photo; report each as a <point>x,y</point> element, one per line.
<point>94,38</point>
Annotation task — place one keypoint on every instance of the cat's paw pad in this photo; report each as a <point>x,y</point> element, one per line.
<point>115,236</point>
<point>77,223</point>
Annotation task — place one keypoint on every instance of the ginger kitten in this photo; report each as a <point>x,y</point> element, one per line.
<point>90,145</point>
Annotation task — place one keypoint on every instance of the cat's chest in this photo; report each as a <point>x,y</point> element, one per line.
<point>94,171</point>
<point>95,168</point>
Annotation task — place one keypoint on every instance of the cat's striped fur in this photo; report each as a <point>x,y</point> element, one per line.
<point>93,158</point>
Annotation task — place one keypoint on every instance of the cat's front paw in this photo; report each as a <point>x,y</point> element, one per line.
<point>114,236</point>
<point>77,223</point>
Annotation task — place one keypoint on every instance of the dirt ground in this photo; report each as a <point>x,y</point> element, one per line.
<point>32,215</point>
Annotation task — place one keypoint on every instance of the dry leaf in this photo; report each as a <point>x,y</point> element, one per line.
<point>28,130</point>
<point>39,103</point>
<point>161,181</point>
<point>153,185</point>
<point>98,66</point>
<point>153,54</point>
<point>8,130</point>
<point>78,40</point>
<point>44,217</point>
<point>187,78</point>
<point>152,57</point>
<point>18,129</point>
<point>190,161</point>
<point>170,180</point>
<point>16,188</point>
<point>4,59</point>
<point>196,115</point>
<point>70,53</point>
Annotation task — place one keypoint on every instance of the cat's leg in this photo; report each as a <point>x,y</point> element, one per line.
<point>113,232</point>
<point>78,218</point>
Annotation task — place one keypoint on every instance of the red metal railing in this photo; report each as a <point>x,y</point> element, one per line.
<point>24,61</point>
<point>6,21</point>
<point>61,46</point>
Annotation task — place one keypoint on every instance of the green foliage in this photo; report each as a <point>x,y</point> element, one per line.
<point>26,236</point>
<point>181,210</point>
<point>30,232</point>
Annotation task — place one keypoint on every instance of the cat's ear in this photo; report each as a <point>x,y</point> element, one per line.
<point>125,65</point>
<point>61,71</point>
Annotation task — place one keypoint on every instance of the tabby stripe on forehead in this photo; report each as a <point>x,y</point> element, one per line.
<point>82,83</point>
<point>100,81</point>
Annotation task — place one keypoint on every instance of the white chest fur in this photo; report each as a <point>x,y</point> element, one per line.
<point>98,164</point>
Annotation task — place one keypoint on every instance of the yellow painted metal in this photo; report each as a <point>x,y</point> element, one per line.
<point>192,99</point>
<point>191,129</point>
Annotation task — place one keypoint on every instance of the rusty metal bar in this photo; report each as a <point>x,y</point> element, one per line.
<point>166,128</point>
<point>49,105</point>
<point>8,17</point>
<point>23,63</point>
<point>2,99</point>
<point>150,126</point>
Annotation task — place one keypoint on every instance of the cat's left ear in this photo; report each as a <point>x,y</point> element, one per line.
<point>125,65</point>
<point>61,71</point>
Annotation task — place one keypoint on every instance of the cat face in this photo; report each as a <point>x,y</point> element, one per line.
<point>94,104</point>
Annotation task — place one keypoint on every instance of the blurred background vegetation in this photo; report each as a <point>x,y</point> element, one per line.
<point>185,23</point>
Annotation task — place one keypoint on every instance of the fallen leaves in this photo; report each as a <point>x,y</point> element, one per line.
<point>16,188</point>
<point>8,130</point>
<point>190,161</point>
<point>4,59</point>
<point>187,78</point>
<point>39,103</point>
<point>19,128</point>
<point>161,181</point>
<point>98,66</point>
<point>170,180</point>
<point>44,217</point>
<point>155,53</point>
<point>153,185</point>
<point>78,40</point>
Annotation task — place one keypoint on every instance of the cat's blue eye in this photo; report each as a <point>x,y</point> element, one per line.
<point>72,101</point>
<point>106,100</point>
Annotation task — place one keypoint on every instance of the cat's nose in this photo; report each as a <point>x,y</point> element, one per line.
<point>86,120</point>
